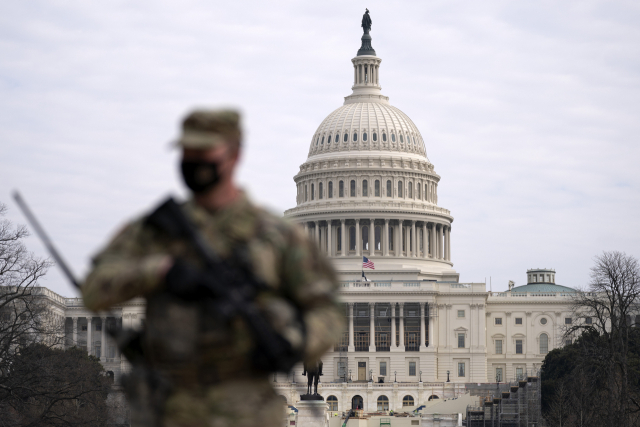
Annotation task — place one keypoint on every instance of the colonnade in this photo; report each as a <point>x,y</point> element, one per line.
<point>397,342</point>
<point>397,238</point>
<point>92,340</point>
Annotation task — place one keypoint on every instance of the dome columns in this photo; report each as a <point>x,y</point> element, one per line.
<point>389,237</point>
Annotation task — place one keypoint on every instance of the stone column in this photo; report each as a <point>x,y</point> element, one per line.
<point>103,342</point>
<point>317,232</point>
<point>358,238</point>
<point>449,243</point>
<point>401,238</point>
<point>89,336</point>
<point>75,331</point>
<point>385,239</point>
<point>306,228</point>
<point>343,238</point>
<point>351,343</point>
<point>408,245</point>
<point>372,237</point>
<point>329,232</point>
<point>423,333</point>
<point>425,241</point>
<point>431,328</point>
<point>372,327</point>
<point>433,240</point>
<point>414,237</point>
<point>401,344</point>
<point>393,326</point>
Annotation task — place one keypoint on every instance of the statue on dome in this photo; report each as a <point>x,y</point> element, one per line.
<point>366,22</point>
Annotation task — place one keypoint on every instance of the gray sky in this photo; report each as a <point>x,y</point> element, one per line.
<point>529,112</point>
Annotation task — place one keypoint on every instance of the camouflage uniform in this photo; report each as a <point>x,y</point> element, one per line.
<point>206,359</point>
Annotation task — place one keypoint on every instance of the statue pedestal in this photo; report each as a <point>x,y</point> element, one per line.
<point>312,413</point>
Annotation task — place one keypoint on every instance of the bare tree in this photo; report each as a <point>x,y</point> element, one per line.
<point>604,313</point>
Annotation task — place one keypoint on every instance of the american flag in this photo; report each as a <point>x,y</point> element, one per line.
<point>367,264</point>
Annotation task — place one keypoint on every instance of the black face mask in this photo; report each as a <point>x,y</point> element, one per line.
<point>200,176</point>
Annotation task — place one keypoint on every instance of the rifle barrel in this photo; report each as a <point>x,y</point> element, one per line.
<point>45,238</point>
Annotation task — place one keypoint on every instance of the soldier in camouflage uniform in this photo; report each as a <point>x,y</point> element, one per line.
<point>206,358</point>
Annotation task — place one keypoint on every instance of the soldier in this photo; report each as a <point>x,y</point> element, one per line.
<point>204,354</point>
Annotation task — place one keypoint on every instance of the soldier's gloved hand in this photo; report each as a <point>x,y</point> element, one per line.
<point>185,281</point>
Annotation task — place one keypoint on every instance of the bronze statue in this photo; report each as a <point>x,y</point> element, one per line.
<point>366,22</point>
<point>313,372</point>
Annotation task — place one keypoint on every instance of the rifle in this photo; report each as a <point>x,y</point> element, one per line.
<point>232,286</point>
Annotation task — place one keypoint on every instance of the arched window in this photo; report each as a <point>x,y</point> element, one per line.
<point>317,140</point>
<point>322,141</point>
<point>312,191</point>
<point>384,137</point>
<point>378,236</point>
<point>353,188</point>
<point>390,238</point>
<point>331,189</point>
<point>383,403</point>
<point>365,188</point>
<point>389,192</point>
<point>375,137</point>
<point>407,401</point>
<point>333,403</point>
<point>418,187</point>
<point>399,188</point>
<point>377,188</point>
<point>433,397</point>
<point>320,191</point>
<point>328,139</point>
<point>426,192</point>
<point>338,239</point>
<point>365,238</point>
<point>352,238</point>
<point>355,136</point>
<point>401,138</point>
<point>306,193</point>
<point>364,136</point>
<point>410,187</point>
<point>544,344</point>
<point>356,402</point>
<point>393,137</point>
<point>341,189</point>
<point>346,137</point>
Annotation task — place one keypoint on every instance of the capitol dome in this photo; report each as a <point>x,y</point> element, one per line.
<point>367,188</point>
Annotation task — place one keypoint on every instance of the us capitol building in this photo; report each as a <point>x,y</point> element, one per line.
<point>415,332</point>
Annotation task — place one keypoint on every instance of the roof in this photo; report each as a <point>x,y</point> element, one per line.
<point>542,287</point>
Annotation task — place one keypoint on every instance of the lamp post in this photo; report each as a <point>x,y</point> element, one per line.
<point>497,382</point>
<point>349,375</point>
<point>420,376</point>
<point>395,377</point>
<point>448,377</point>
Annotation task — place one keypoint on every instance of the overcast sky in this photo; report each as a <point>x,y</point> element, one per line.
<point>529,112</point>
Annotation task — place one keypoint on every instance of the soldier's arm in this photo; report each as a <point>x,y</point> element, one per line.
<point>314,288</point>
<point>125,269</point>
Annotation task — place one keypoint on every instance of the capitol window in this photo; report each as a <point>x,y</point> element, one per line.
<point>378,237</point>
<point>352,238</point>
<point>518,346</point>
<point>543,321</point>
<point>498,346</point>
<point>389,192</point>
<point>333,403</point>
<point>320,191</point>
<point>375,136</point>
<point>322,141</point>
<point>418,187</point>
<point>317,140</point>
<point>383,401</point>
<point>544,344</point>
<point>407,401</point>
<point>498,321</point>
<point>390,238</point>
<point>588,321</point>
<point>518,320</point>
<point>461,369</point>
<point>365,188</point>
<point>306,193</point>
<point>341,189</point>
<point>331,189</point>
<point>355,136</point>
<point>393,137</point>
<point>364,136</point>
<point>346,137</point>
<point>339,239</point>
<point>460,340</point>
<point>384,137</point>
<point>353,188</point>
<point>377,188</point>
<point>312,191</point>
<point>399,188</point>
<point>401,138</point>
<point>410,190</point>
<point>460,313</point>
<point>365,238</point>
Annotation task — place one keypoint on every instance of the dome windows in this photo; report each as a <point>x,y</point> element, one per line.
<point>377,188</point>
<point>401,139</point>
<point>384,137</point>
<point>341,189</point>
<point>317,140</point>
<point>352,192</point>
<point>329,140</point>
<point>346,137</point>
<point>320,190</point>
<point>331,189</point>
<point>393,137</point>
<point>389,192</point>
<point>364,137</point>
<point>375,137</point>
<point>322,141</point>
<point>399,188</point>
<point>365,188</point>
<point>355,136</point>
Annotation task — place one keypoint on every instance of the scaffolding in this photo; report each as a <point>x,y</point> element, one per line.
<point>515,404</point>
